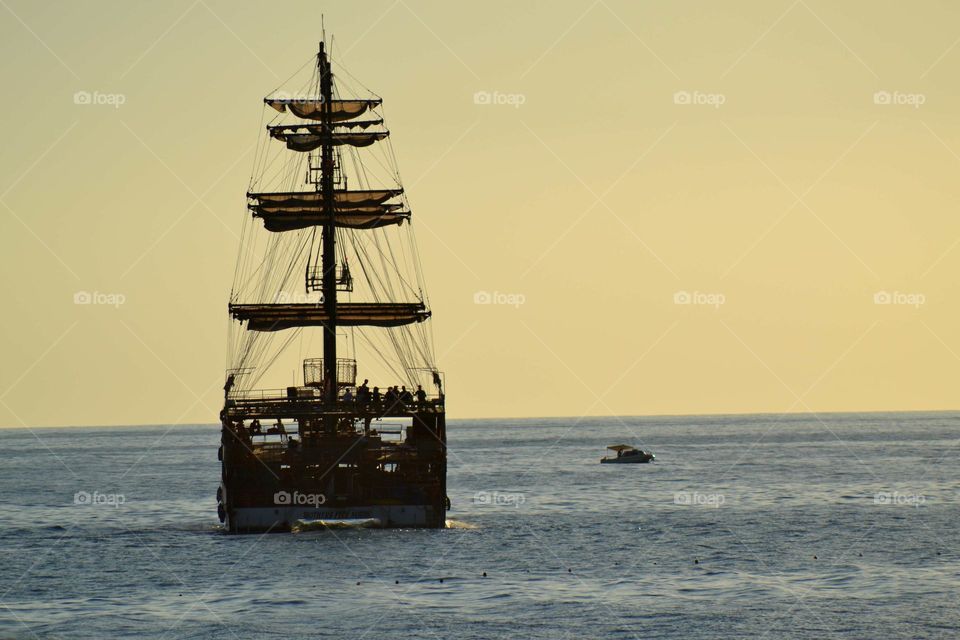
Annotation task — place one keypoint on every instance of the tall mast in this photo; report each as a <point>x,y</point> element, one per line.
<point>329,260</point>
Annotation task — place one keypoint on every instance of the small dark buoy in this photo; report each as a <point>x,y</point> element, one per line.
<point>860,554</point>
<point>569,570</point>
<point>441,580</point>
<point>484,574</point>
<point>396,582</point>
<point>358,584</point>
<point>814,557</point>
<point>696,561</point>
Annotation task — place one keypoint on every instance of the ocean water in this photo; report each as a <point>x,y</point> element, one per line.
<point>839,525</point>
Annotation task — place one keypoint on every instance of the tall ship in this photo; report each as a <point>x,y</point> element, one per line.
<point>328,295</point>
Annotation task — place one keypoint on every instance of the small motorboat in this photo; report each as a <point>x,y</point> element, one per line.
<point>627,455</point>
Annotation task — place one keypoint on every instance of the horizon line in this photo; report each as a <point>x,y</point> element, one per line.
<point>490,418</point>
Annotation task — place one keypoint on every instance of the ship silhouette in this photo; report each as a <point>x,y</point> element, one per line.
<point>328,251</point>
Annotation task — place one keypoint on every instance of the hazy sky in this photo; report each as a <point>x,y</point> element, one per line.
<point>782,163</point>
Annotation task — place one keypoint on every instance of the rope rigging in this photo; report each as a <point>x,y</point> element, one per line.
<point>279,267</point>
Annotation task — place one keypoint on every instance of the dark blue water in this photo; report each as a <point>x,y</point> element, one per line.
<point>746,526</point>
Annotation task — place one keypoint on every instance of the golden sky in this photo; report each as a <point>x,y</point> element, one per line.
<point>685,208</point>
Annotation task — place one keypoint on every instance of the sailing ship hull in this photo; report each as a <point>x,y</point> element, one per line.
<point>327,471</point>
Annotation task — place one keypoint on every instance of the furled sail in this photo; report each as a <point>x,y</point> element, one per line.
<point>315,198</point>
<point>312,141</point>
<point>352,209</point>
<point>312,109</point>
<point>360,218</point>
<point>276,317</point>
<point>351,124</point>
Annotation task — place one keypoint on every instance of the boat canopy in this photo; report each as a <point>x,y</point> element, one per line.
<point>620,447</point>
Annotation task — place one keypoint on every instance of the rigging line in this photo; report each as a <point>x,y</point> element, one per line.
<point>353,341</point>
<point>284,279</point>
<point>266,367</point>
<point>264,145</point>
<point>389,147</point>
<point>283,166</point>
<point>290,77</point>
<point>268,260</point>
<point>355,79</point>
<point>236,268</point>
<point>384,286</point>
<point>381,235</point>
<point>361,178</point>
<point>274,279</point>
<point>313,243</point>
<point>393,257</point>
<point>403,251</point>
<point>380,354</point>
<point>392,175</point>
<point>373,236</point>
<point>418,264</point>
<point>258,146</point>
<point>277,117</point>
<point>249,255</point>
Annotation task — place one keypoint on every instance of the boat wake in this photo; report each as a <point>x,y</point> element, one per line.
<point>319,525</point>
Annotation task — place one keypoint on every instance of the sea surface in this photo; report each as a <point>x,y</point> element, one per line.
<point>753,526</point>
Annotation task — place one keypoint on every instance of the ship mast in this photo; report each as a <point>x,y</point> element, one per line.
<point>328,260</point>
<point>327,123</point>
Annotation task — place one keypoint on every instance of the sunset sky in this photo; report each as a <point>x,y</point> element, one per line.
<point>692,207</point>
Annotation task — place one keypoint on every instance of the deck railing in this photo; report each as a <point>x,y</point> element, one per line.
<point>309,398</point>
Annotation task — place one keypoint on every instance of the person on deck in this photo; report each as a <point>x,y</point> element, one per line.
<point>421,395</point>
<point>405,396</point>
<point>347,396</point>
<point>390,398</point>
<point>376,396</point>
<point>363,393</point>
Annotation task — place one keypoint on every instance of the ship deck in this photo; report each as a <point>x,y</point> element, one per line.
<point>302,403</point>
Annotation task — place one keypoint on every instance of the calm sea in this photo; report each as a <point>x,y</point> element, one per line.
<point>745,526</point>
